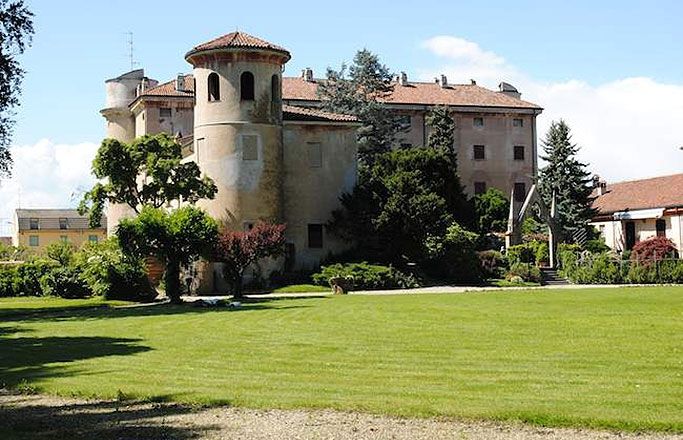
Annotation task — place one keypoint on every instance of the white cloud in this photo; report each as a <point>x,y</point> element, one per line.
<point>626,128</point>
<point>46,175</point>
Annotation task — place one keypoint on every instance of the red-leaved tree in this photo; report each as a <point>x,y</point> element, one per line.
<point>240,249</point>
<point>652,249</point>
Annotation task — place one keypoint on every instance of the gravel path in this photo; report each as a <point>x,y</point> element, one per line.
<point>43,417</point>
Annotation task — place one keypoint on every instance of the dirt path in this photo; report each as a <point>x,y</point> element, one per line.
<point>43,417</point>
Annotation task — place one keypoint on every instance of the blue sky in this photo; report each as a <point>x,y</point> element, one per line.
<point>612,69</point>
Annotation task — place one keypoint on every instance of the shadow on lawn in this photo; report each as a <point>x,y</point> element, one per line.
<point>23,417</point>
<point>24,360</point>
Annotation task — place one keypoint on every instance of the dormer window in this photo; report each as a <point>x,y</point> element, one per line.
<point>214,87</point>
<point>63,223</point>
<point>247,86</point>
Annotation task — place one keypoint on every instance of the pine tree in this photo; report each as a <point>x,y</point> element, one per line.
<point>568,179</point>
<point>357,90</point>
<point>441,129</point>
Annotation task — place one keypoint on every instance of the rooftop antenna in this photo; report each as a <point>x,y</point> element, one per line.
<point>133,63</point>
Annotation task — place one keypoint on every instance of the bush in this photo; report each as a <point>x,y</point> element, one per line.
<point>522,253</point>
<point>567,255</point>
<point>365,276</point>
<point>525,271</point>
<point>596,246</point>
<point>29,275</point>
<point>454,256</point>
<point>64,282</point>
<point>8,280</point>
<point>655,248</point>
<point>109,273</point>
<point>542,253</point>
<point>493,264</point>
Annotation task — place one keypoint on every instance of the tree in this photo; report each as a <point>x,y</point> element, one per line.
<point>359,94</point>
<point>240,249</point>
<point>176,238</point>
<point>453,255</point>
<point>401,199</point>
<point>442,129</point>
<point>492,210</point>
<point>61,252</point>
<point>147,172</point>
<point>16,32</point>
<point>568,179</point>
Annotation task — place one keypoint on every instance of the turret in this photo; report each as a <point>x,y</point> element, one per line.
<point>238,125</point>
<point>121,91</point>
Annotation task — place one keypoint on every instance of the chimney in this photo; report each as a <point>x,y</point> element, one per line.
<point>307,74</point>
<point>180,82</point>
<point>600,185</point>
<point>403,79</point>
<point>443,82</point>
<point>509,89</point>
<point>473,82</point>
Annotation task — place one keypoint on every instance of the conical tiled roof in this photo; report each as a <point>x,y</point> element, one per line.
<point>238,40</point>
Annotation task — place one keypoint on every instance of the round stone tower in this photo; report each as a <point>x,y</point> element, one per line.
<point>238,126</point>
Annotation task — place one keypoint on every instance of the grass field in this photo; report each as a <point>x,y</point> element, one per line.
<point>610,358</point>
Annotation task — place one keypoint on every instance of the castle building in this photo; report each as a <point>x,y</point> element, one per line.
<point>276,156</point>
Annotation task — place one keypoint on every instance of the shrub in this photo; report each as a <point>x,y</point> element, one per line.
<point>365,276</point>
<point>655,248</point>
<point>29,275</point>
<point>62,252</point>
<point>110,273</point>
<point>8,279</point>
<point>526,271</point>
<point>567,255</point>
<point>454,255</point>
<point>493,264</point>
<point>64,282</point>
<point>596,246</point>
<point>542,253</point>
<point>522,253</point>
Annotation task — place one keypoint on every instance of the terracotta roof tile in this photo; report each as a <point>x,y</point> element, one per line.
<point>657,192</point>
<point>238,40</point>
<point>296,88</point>
<point>169,88</point>
<point>293,113</point>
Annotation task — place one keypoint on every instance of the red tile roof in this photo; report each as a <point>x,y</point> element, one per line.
<point>657,192</point>
<point>238,40</point>
<point>169,88</point>
<point>293,113</point>
<point>466,95</point>
<point>296,89</point>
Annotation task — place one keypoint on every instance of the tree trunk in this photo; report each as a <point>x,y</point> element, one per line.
<point>172,280</point>
<point>237,288</point>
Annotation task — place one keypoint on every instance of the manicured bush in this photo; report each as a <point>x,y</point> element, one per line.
<point>64,282</point>
<point>525,271</point>
<point>366,276</point>
<point>109,273</point>
<point>493,264</point>
<point>655,248</point>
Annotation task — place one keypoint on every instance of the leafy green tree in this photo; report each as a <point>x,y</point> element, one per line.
<point>441,129</point>
<point>568,179</point>
<point>492,210</point>
<point>16,32</point>
<point>453,255</point>
<point>176,238</point>
<point>147,172</point>
<point>402,198</point>
<point>61,252</point>
<point>357,90</point>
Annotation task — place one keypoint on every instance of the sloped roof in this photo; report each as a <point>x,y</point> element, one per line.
<point>294,113</point>
<point>421,93</point>
<point>238,40</point>
<point>49,218</point>
<point>169,88</point>
<point>656,192</point>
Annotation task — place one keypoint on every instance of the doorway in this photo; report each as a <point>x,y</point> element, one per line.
<point>630,235</point>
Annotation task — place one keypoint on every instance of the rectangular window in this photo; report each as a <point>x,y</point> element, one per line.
<point>249,147</point>
<point>63,238</point>
<point>519,152</point>
<point>315,235</point>
<point>518,122</point>
<point>478,122</point>
<point>164,112</point>
<point>520,191</point>
<point>33,240</point>
<point>33,223</point>
<point>315,154</point>
<point>479,152</point>
<point>660,224</point>
<point>63,223</point>
<point>405,120</point>
<point>479,187</point>
<point>93,238</point>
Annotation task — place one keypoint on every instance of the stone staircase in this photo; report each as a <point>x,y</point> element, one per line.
<point>551,277</point>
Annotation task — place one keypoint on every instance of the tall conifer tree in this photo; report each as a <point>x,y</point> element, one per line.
<point>569,179</point>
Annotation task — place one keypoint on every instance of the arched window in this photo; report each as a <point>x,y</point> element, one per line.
<point>275,89</point>
<point>214,87</point>
<point>247,86</point>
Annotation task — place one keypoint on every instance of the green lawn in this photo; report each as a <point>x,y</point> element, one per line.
<point>303,288</point>
<point>30,305</point>
<point>600,358</point>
